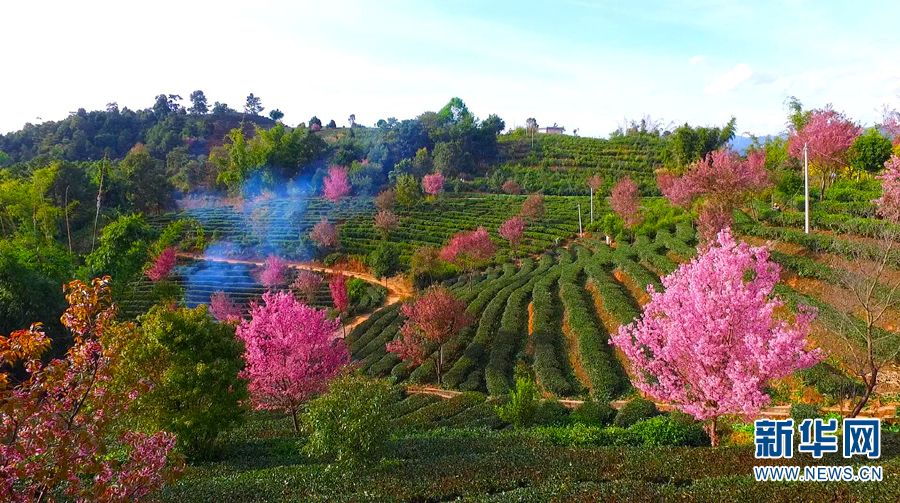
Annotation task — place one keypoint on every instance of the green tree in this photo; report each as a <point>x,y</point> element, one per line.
<point>198,102</point>
<point>407,190</point>
<point>221,108</point>
<point>253,105</point>
<point>384,261</point>
<point>121,252</point>
<point>689,144</point>
<point>870,151</point>
<point>147,187</point>
<point>192,362</point>
<point>351,421</point>
<point>276,115</point>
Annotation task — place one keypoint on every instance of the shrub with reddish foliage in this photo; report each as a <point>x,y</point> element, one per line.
<point>386,200</point>
<point>433,184</point>
<point>324,234</point>
<point>710,343</point>
<point>56,421</point>
<point>511,187</point>
<point>291,352</point>
<point>434,317</point>
<point>337,184</point>
<point>595,182</point>
<point>533,208</point>
<point>386,221</point>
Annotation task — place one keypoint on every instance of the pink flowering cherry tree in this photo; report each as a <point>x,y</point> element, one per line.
<point>274,272</point>
<point>340,298</point>
<point>888,204</point>
<point>828,136</point>
<point>223,308</point>
<point>386,221</point>
<point>710,343</point>
<point>163,265</point>
<point>336,184</point>
<point>291,352</point>
<point>723,180</point>
<point>433,184</point>
<point>469,249</point>
<point>307,283</point>
<point>513,230</point>
<point>325,234</point>
<point>625,201</point>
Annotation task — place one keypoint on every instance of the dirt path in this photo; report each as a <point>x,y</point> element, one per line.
<point>398,287</point>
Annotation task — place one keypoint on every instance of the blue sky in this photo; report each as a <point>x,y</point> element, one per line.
<point>582,64</point>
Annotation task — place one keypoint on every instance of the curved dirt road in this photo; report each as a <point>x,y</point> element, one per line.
<point>398,287</point>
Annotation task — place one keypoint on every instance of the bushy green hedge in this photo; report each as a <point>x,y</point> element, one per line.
<point>441,410</point>
<point>635,410</point>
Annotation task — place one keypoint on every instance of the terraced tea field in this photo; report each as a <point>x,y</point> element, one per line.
<point>282,226</point>
<point>199,279</point>
<point>561,164</point>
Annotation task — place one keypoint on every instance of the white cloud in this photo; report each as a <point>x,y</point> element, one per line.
<point>729,80</point>
<point>697,60</point>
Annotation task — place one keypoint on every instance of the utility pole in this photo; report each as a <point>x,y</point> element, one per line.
<point>580,231</point>
<point>806,184</point>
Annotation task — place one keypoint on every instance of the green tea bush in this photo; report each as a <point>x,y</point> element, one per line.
<point>669,430</point>
<point>635,410</point>
<point>550,412</point>
<point>520,409</point>
<point>593,413</point>
<point>801,411</point>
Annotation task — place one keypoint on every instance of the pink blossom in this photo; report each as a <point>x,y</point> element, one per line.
<point>889,202</point>
<point>307,283</point>
<point>291,353</point>
<point>163,265</point>
<point>223,308</point>
<point>386,221</point>
<point>433,184</point>
<point>337,184</point>
<point>710,342</point>
<point>625,201</point>
<point>469,249</point>
<point>324,234</point>
<point>339,298</point>
<point>274,272</point>
<point>436,316</point>
<point>513,230</point>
